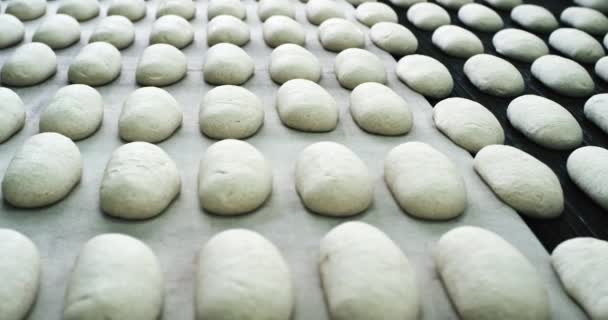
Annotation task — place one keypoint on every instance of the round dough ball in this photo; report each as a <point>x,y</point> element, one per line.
<point>269,8</point>
<point>26,10</point>
<point>453,4</point>
<point>115,30</point>
<point>173,30</point>
<point>13,30</point>
<point>12,114</point>
<point>480,17</point>
<point>30,64</point>
<point>588,168</point>
<point>428,16</point>
<point>140,181</point>
<point>519,45</point>
<point>405,3</point>
<point>149,114</point>
<point>75,111</point>
<point>182,8</point>
<point>355,66</point>
<point>377,109</point>
<point>133,10</point>
<point>81,10</point>
<point>494,76</point>
<point>467,123</point>
<point>230,112</point>
<point>504,4</point>
<point>457,42</point>
<point>586,19</point>
<point>317,11</point>
<point>227,64</point>
<point>534,18</point>
<point>563,76</point>
<point>58,31</point>
<point>337,34</point>
<point>278,30</point>
<point>600,5</point>
<point>601,68</point>
<point>596,111</point>
<point>576,45</point>
<point>306,106</point>
<point>370,13</point>
<point>290,61</point>
<point>233,8</point>
<point>227,29</point>
<point>161,65</point>
<point>545,122</point>
<point>97,64</point>
<point>393,38</point>
<point>425,75</point>
<point>43,171</point>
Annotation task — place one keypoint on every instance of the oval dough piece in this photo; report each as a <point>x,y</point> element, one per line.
<point>586,19</point>
<point>428,16</point>
<point>534,18</point>
<point>115,30</point>
<point>290,61</point>
<point>480,17</point>
<point>30,64</point>
<point>13,30</point>
<point>242,275</point>
<point>600,5</point>
<point>563,76</point>
<point>425,75</point>
<point>278,30</point>
<point>173,30</point>
<point>26,10</point>
<point>519,45</point>
<point>453,4</point>
<point>393,38</point>
<point>481,272</point>
<point>370,13</point>
<point>521,181</point>
<point>601,68</point>
<point>228,29</point>
<point>182,8</point>
<point>317,11</point>
<point>43,171</point>
<point>337,34</point>
<point>504,4</point>
<point>58,31</point>
<point>269,8</point>
<point>226,63</point>
<point>161,65</point>
<point>467,123</point>
<point>577,45</point>
<point>596,111</point>
<point>115,284</point>
<point>133,10</point>
<point>588,168</point>
<point>332,180</point>
<point>97,64</point>
<point>306,106</point>
<point>75,111</point>
<point>233,8</point>
<point>364,274</point>
<point>457,42</point>
<point>81,10</point>
<point>355,66</point>
<point>494,76</point>
<point>377,109</point>
<point>12,114</point>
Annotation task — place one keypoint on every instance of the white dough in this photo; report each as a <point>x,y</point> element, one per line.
<point>242,275</point>
<point>306,106</point>
<point>233,8</point>
<point>453,4</point>
<point>26,10</point>
<point>487,278</point>
<point>519,45</point>
<point>364,274</point>
<point>377,109</point>
<point>586,19</point>
<point>534,18</point>
<point>588,168</point>
<point>58,31</point>
<point>227,29</point>
<point>182,8</point>
<point>370,13</point>
<point>81,10</point>
<point>355,66</point>
<point>332,180</point>
<point>115,30</point>
<point>601,68</point>
<point>13,30</point>
<point>149,114</point>
<point>140,181</point>
<point>405,3</point>
<point>600,5</point>
<point>75,111</point>
<point>43,171</point>
<point>428,16</point>
<point>115,277</point>
<point>97,64</point>
<point>596,111</point>
<point>577,45</point>
<point>393,38</point>
<point>226,63</point>
<point>504,4</point>
<point>269,8</point>
<point>12,114</point>
<point>278,30</point>
<point>161,65</point>
<point>337,34</point>
<point>317,11</point>
<point>521,181</point>
<point>290,61</point>
<point>494,76</point>
<point>563,76</point>
<point>457,42</point>
<point>480,17</point>
<point>425,75</point>
<point>133,10</point>
<point>467,123</point>
<point>234,178</point>
<point>173,30</point>
<point>30,64</point>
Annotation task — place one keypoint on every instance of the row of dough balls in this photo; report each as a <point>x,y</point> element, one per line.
<point>369,276</point>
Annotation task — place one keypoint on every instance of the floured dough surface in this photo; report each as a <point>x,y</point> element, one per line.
<point>596,110</point>
<point>233,8</point>
<point>600,5</point>
<point>534,18</point>
<point>577,45</point>
<point>13,30</point>
<point>161,65</point>
<point>393,38</point>
<point>317,11</point>
<point>519,45</point>
<point>227,29</point>
<point>457,42</point>
<point>370,13</point>
<point>58,31</point>
<point>588,168</point>
<point>480,17</point>
<point>269,8</point>
<point>504,4</point>
<point>97,64</point>
<point>226,63</point>
<point>563,76</point>
<point>115,30</point>
<point>355,66</point>
<point>601,68</point>
<point>30,64</point>
<point>306,106</point>
<point>290,61</point>
<point>586,19</point>
<point>278,30</point>
<point>81,10</point>
<point>12,114</point>
<point>26,10</point>
<point>428,16</point>
<point>173,30</point>
<point>182,8</point>
<point>377,109</point>
<point>494,76</point>
<point>425,75</point>
<point>133,10</point>
<point>337,34</point>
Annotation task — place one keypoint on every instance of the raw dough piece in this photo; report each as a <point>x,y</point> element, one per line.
<point>425,75</point>
<point>97,64</point>
<point>317,11</point>
<point>332,180</point>
<point>269,8</point>
<point>306,106</point>
<point>428,16</point>
<point>467,123</point>
<point>480,17</point>
<point>278,30</point>
<point>337,34</point>
<point>577,45</point>
<point>521,181</point>
<point>20,274</point>
<point>453,4</point>
<point>487,278</point>
<point>545,122</point>
<point>234,178</point>
<point>588,168</point>
<point>233,8</point>
<point>115,30</point>
<point>12,114</point>
<point>534,18</point>
<point>30,64</point>
<point>115,277</point>
<point>81,10</point>
<point>563,76</point>
<point>13,30</point>
<point>405,3</point>
<point>355,66</point>
<point>495,76</point>
<point>370,13</point>
<point>161,65</point>
<point>504,4</point>
<point>393,38</point>
<point>75,111</point>
<point>58,31</point>
<point>600,5</point>
<point>149,114</point>
<point>42,172</point>
<point>364,274</point>
<point>519,45</point>
<point>242,275</point>
<point>601,68</point>
<point>26,10</point>
<point>290,61</point>
<point>586,19</point>
<point>173,30</point>
<point>230,112</point>
<point>182,8</point>
<point>457,42</point>
<point>226,63</point>
<point>227,29</point>
<point>133,10</point>
<point>596,111</point>
<point>140,181</point>
<point>377,109</point>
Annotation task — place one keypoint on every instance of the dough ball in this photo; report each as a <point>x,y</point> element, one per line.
<point>140,181</point>
<point>226,63</point>
<point>227,29</point>
<point>43,171</point>
<point>149,114</point>
<point>405,3</point>
<point>13,30</point>
<point>428,16</point>
<point>563,76</point>
<point>97,64</point>
<point>173,30</point>
<point>115,30</point>
<point>355,66</point>
<point>12,114</point>
<point>233,8</point>
<point>234,178</point>
<point>467,123</point>
<point>367,277</point>
<point>600,5</point>
<point>182,8</point>
<point>504,4</point>
<point>393,38</point>
<point>161,65</point>
<point>519,45</point>
<point>133,10</point>
<point>317,11</point>
<point>58,31</point>
<point>601,68</point>
<point>306,106</point>
<point>115,277</point>
<point>26,10</point>
<point>370,13</point>
<point>269,8</point>
<point>290,61</point>
<point>596,111</point>
<point>337,34</point>
<point>534,18</point>
<point>81,10</point>
<point>425,75</point>
<point>279,30</point>
<point>521,181</point>
<point>453,4</point>
<point>377,109</point>
<point>75,111</point>
<point>576,45</point>
<point>588,168</point>
<point>480,17</point>
<point>457,42</point>
<point>494,76</point>
<point>586,19</point>
<point>30,64</point>
<point>230,112</point>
